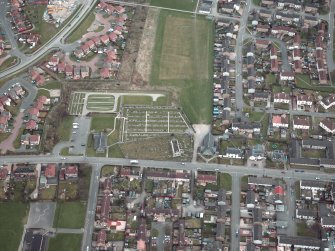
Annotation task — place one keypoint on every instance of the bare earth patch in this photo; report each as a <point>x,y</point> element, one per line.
<point>144,58</point>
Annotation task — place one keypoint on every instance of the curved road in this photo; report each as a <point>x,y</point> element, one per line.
<point>55,42</point>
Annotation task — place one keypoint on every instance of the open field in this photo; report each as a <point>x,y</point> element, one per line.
<point>100,102</point>
<point>102,121</point>
<point>70,215</point>
<point>8,63</point>
<point>81,29</point>
<point>65,128</point>
<point>69,242</point>
<point>183,61</point>
<point>12,218</point>
<point>144,122</point>
<point>76,103</point>
<point>158,148</point>
<point>175,4</point>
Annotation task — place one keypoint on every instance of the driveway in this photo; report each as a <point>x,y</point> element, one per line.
<point>200,132</point>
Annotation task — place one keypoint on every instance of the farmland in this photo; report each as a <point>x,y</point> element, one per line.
<point>143,122</point>
<point>181,61</point>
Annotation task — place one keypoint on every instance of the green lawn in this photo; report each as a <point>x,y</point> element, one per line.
<point>102,121</point>
<point>81,29</point>
<point>4,136</point>
<point>182,61</point>
<point>48,193</point>
<point>303,80</point>
<point>115,152</point>
<point>70,215</point>
<point>8,63</point>
<point>65,128</point>
<point>68,242</point>
<point>42,92</point>
<point>224,181</point>
<point>136,100</point>
<point>257,2</point>
<point>52,85</point>
<point>35,14</point>
<point>12,218</point>
<point>255,116</point>
<point>304,230</point>
<point>175,4</point>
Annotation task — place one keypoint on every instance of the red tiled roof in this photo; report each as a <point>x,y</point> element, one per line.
<point>50,171</point>
<point>34,138</point>
<point>71,170</point>
<point>31,125</point>
<point>3,173</point>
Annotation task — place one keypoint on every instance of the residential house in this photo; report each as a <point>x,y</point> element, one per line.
<point>76,72</point>
<point>246,127</point>
<point>69,71</point>
<point>34,140</point>
<point>274,65</point>
<point>306,214</point>
<point>281,97</point>
<point>61,67</point>
<point>71,172</point>
<point>31,125</point>
<point>301,122</point>
<point>105,73</point>
<point>304,100</point>
<point>79,52</point>
<point>328,102</point>
<point>280,121</point>
<point>328,125</point>
<point>286,75</point>
<point>299,242</point>
<point>112,37</point>
<point>262,44</point>
<point>104,39</point>
<point>84,71</point>
<point>85,49</point>
<point>50,171</point>
<point>250,199</point>
<point>233,153</point>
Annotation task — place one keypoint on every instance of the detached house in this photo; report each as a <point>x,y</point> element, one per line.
<point>281,98</point>
<point>328,125</point>
<point>280,121</point>
<point>71,172</point>
<point>301,122</point>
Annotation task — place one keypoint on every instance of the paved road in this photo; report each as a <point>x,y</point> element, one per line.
<point>238,61</point>
<point>91,205</point>
<point>330,48</point>
<point>297,113</point>
<point>235,212</point>
<point>55,42</point>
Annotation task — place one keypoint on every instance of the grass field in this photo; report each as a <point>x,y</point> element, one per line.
<point>68,242</point>
<point>136,100</point>
<point>8,63</point>
<point>64,129</point>
<point>81,29</point>
<point>102,121</point>
<point>175,4</point>
<point>12,218</point>
<point>183,61</point>
<point>100,102</point>
<point>70,215</point>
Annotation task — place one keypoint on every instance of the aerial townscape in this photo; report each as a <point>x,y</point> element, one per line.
<point>167,125</point>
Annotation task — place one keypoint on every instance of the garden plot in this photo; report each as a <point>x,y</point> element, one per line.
<point>144,122</point>
<point>77,103</point>
<point>100,102</point>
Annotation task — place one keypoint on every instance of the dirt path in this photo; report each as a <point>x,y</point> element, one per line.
<point>201,131</point>
<point>7,144</point>
<point>145,54</point>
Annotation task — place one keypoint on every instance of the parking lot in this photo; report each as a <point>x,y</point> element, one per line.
<point>80,135</point>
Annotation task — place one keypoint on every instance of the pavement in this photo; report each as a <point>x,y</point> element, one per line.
<point>41,215</point>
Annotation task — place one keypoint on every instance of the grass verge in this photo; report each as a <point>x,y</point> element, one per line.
<point>69,242</point>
